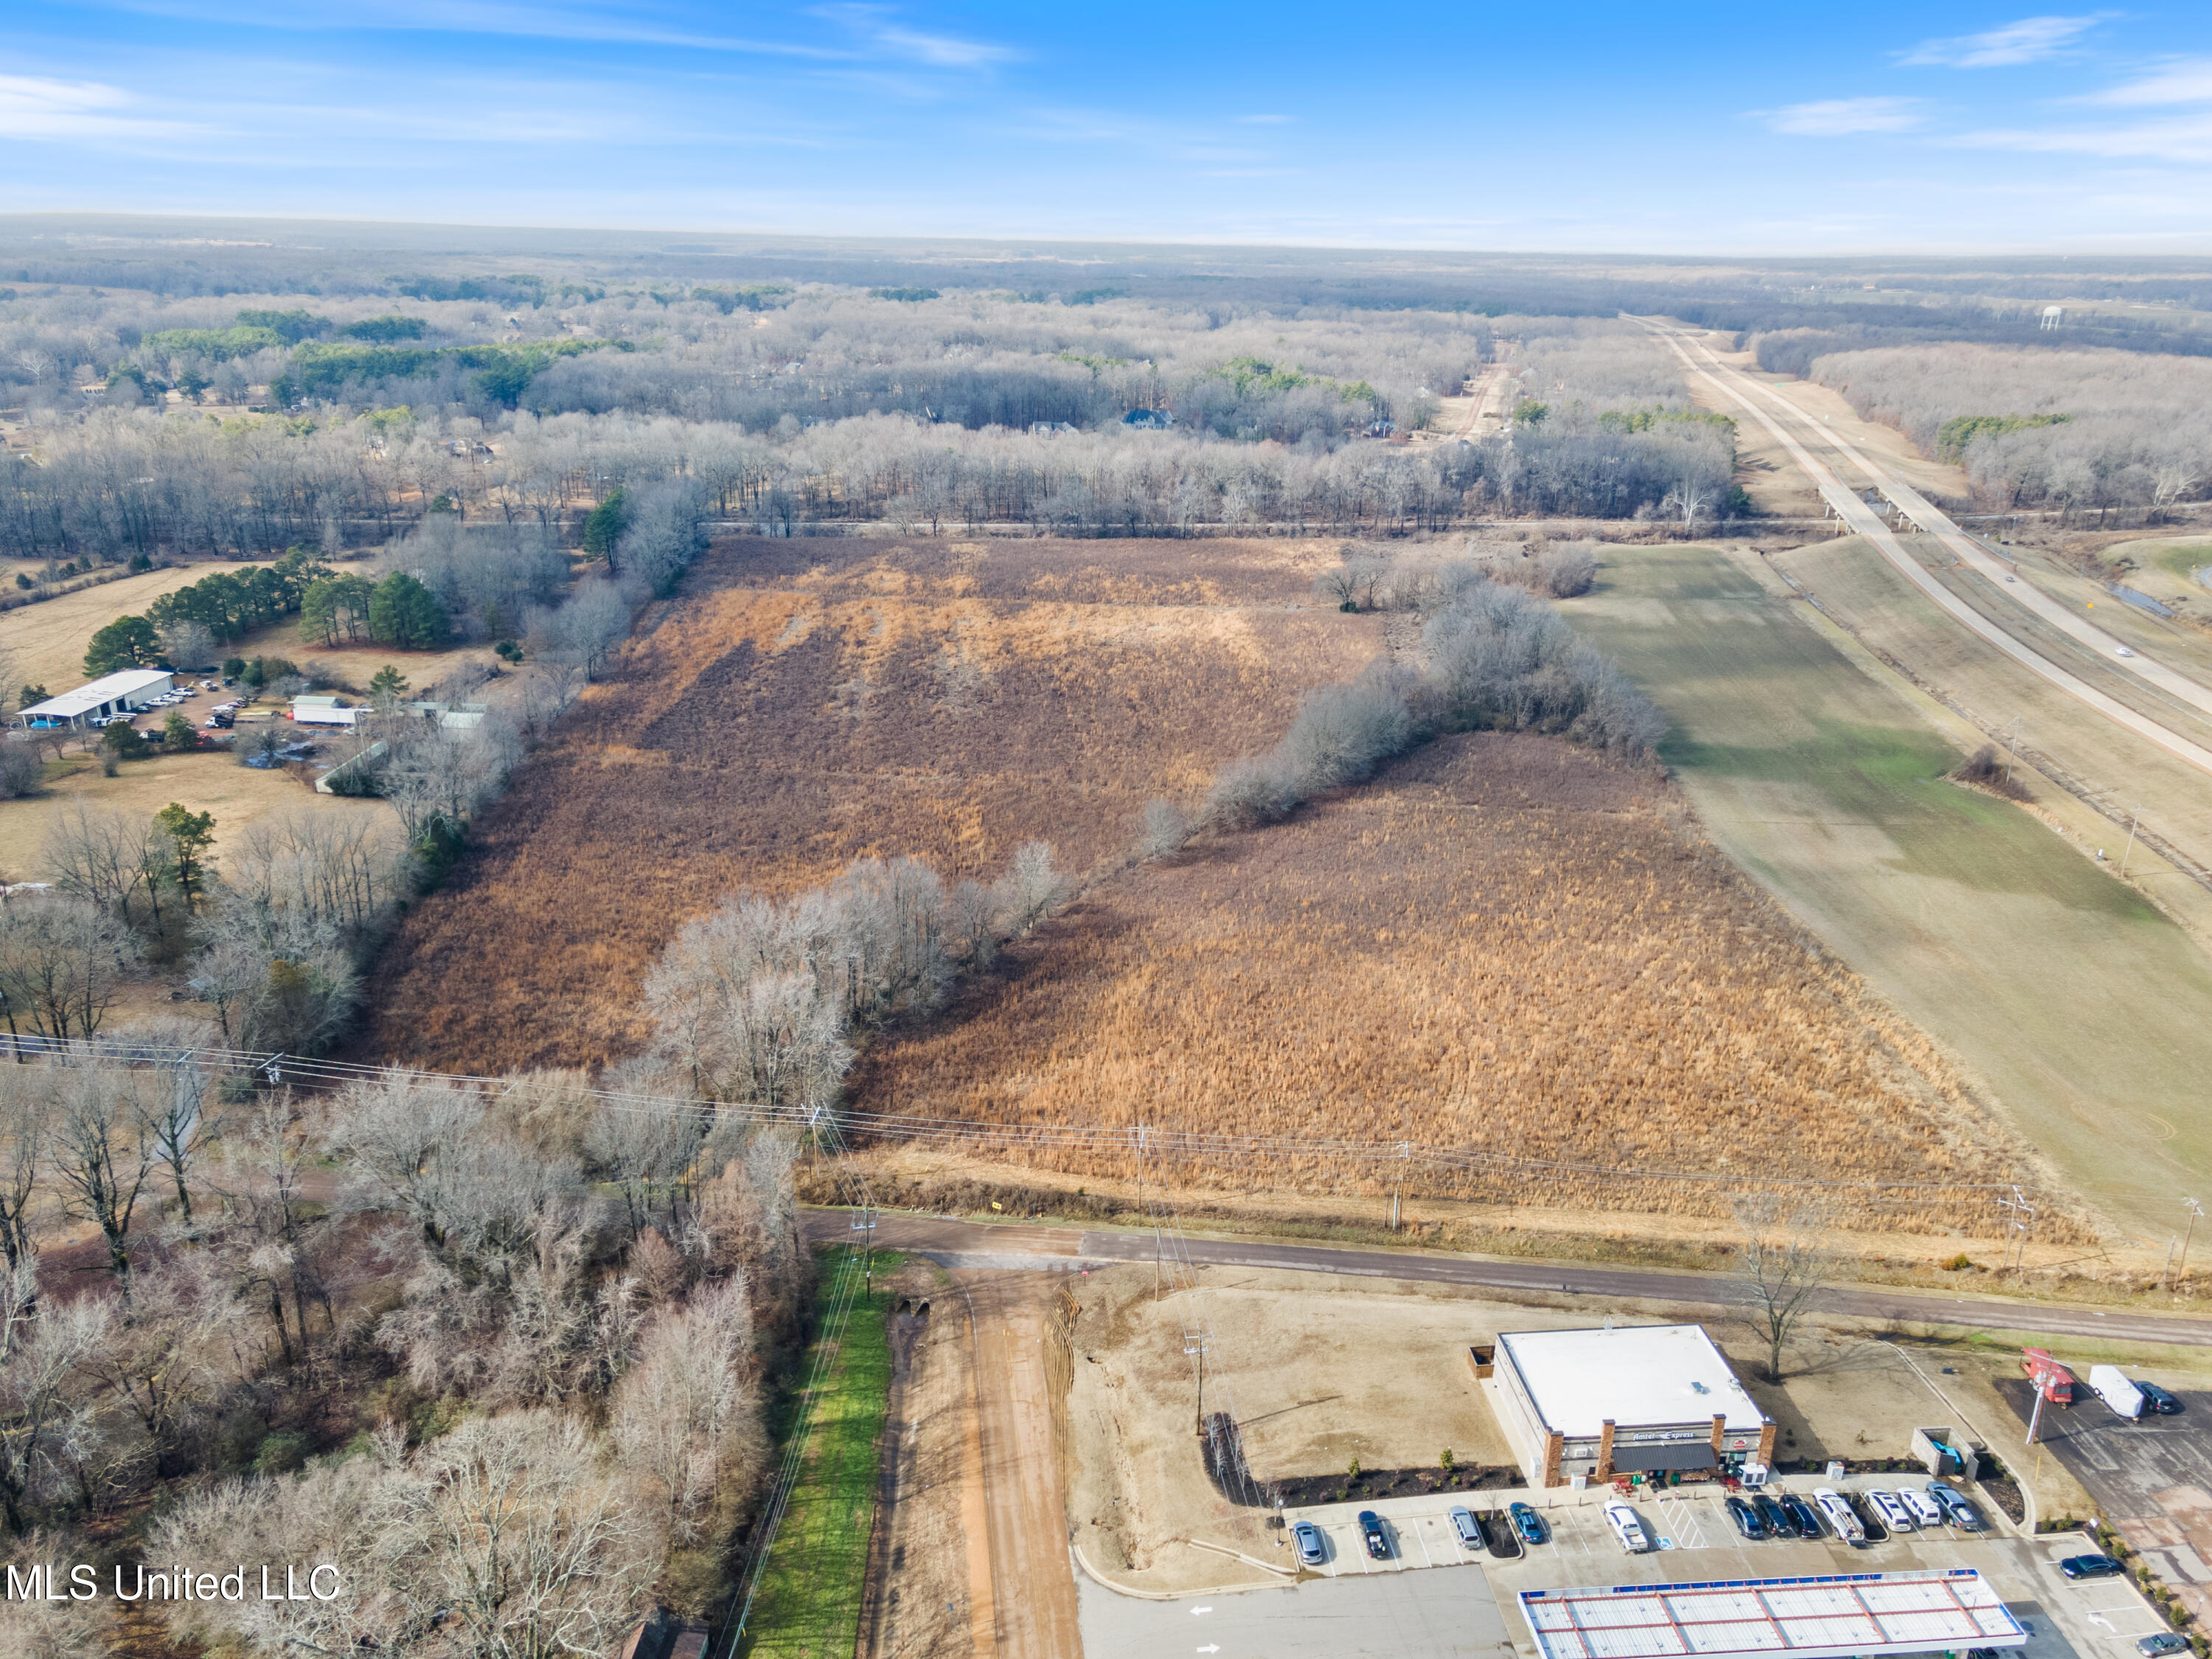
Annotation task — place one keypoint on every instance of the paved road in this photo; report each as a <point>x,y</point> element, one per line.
<point>1421,1615</point>
<point>1015,1245</point>
<point>1753,398</point>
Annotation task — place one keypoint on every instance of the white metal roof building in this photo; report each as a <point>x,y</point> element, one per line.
<point>111,694</point>
<point>1863,1613</point>
<point>1627,1398</point>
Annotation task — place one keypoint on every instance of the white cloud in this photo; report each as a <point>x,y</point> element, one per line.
<point>936,50</point>
<point>1266,120</point>
<point>34,107</point>
<point>2186,81</point>
<point>1836,118</point>
<point>2030,40</point>
<point>2183,138</point>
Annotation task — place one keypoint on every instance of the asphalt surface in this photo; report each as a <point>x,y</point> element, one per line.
<point>1420,1615</point>
<point>1027,1245</point>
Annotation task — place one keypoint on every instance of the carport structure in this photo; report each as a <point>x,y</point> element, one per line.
<point>1829,1617</point>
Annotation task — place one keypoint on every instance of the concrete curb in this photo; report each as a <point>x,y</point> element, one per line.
<point>1104,1582</point>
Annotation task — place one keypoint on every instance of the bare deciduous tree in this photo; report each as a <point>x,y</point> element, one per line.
<point>1781,1269</point>
<point>63,963</point>
<point>100,1153</point>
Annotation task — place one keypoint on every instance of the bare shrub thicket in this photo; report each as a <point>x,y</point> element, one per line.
<point>597,1385</point>
<point>2138,430</point>
<point>760,1001</point>
<point>1496,659</point>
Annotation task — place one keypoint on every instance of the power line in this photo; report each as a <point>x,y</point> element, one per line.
<point>1161,1144</point>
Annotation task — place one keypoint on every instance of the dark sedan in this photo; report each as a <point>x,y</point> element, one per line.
<point>1802,1515</point>
<point>1778,1523</point>
<point>2091,1566</point>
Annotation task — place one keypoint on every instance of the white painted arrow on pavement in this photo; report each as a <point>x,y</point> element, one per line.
<point>1194,1612</point>
<point>1211,1647</point>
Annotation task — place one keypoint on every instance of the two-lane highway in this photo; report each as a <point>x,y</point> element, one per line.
<point>1029,1245</point>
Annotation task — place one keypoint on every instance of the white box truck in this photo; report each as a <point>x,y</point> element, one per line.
<point>2110,1384</point>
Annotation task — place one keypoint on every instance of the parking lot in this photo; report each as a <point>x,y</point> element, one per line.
<point>1351,1605</point>
<point>2152,1477</point>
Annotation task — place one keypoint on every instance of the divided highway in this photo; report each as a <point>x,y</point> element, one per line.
<point>1029,1246</point>
<point>1753,398</point>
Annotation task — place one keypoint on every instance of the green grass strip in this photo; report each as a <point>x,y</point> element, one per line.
<point>809,1605</point>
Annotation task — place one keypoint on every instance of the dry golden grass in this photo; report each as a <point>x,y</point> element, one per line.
<point>812,701</point>
<point>46,641</point>
<point>1507,945</point>
<point>206,782</point>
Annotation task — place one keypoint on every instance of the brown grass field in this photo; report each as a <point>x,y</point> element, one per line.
<point>811,701</point>
<point>46,641</point>
<point>1507,943</point>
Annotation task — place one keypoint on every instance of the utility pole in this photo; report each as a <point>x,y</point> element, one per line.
<point>2196,1214</point>
<point>1194,1347</point>
<point>2023,1224</point>
<point>2012,749</point>
<point>2130,854</point>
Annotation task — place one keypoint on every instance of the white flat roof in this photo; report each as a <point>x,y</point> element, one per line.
<point>105,688</point>
<point>1939,1611</point>
<point>1634,1374</point>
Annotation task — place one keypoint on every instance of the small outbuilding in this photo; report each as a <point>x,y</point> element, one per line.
<point>122,692</point>
<point>1626,1399</point>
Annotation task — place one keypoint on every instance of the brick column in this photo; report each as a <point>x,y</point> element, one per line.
<point>1555,1445</point>
<point>1766,1443</point>
<point>1605,1450</point>
<point>1720,1433</point>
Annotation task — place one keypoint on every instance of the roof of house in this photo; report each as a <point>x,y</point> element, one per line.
<point>319,700</point>
<point>108,687</point>
<point>1632,1374</point>
<point>1935,1610</point>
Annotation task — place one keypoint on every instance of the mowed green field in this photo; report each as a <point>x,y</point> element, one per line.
<point>808,1606</point>
<point>2084,1013</point>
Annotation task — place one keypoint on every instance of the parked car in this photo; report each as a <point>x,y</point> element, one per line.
<point>1957,1510</point>
<point>1892,1510</point>
<point>1465,1527</point>
<point>1370,1531</point>
<point>1922,1508</point>
<point>2165,1642</point>
<point>1840,1515</point>
<point>1312,1550</point>
<point>2091,1566</point>
<point>1802,1515</point>
<point>1626,1528</point>
<point>1529,1524</point>
<point>2158,1398</point>
<point>1778,1523</point>
<point>1746,1518</point>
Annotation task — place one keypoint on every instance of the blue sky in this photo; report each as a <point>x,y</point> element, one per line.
<point>1775,128</point>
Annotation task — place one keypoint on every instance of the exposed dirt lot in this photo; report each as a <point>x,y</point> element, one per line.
<point>1317,1374</point>
<point>812,701</point>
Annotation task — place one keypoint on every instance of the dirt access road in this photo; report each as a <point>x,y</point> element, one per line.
<point>972,1519</point>
<point>1755,400</point>
<point>972,1244</point>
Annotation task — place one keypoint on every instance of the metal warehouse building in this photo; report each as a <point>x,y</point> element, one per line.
<point>118,693</point>
<point>1635,1399</point>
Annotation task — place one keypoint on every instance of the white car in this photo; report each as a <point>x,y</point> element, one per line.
<point>1626,1528</point>
<point>1922,1508</point>
<point>1893,1514</point>
<point>1841,1515</point>
<point>2124,651</point>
